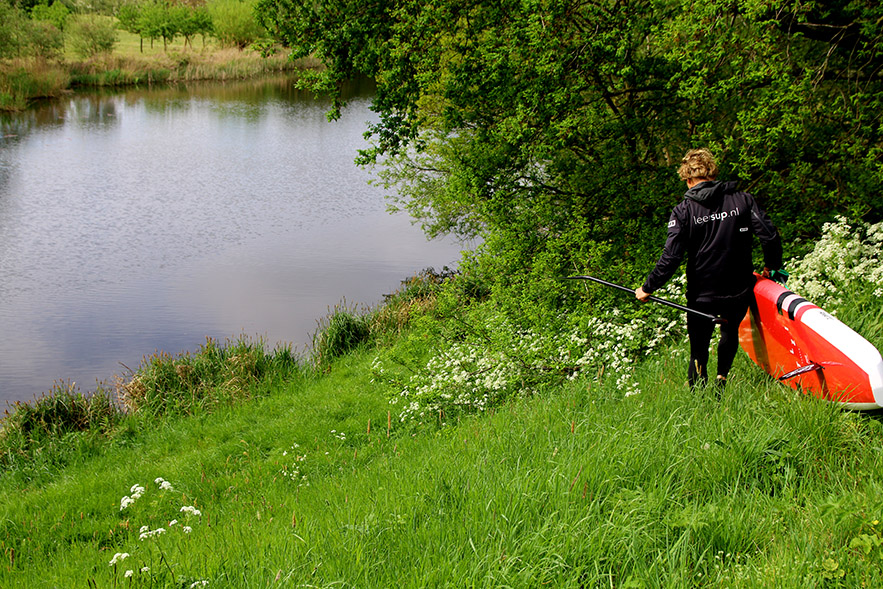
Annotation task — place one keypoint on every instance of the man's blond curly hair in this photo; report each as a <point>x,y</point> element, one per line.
<point>698,163</point>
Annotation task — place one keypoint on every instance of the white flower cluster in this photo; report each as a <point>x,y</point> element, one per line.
<point>846,256</point>
<point>473,375</point>
<point>145,532</point>
<point>293,471</point>
<point>164,484</point>
<point>136,492</point>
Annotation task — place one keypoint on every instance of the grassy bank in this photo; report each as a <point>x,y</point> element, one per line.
<point>23,80</point>
<point>576,486</point>
<point>248,470</point>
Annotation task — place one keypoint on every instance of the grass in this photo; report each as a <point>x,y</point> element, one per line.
<point>24,79</point>
<point>574,487</point>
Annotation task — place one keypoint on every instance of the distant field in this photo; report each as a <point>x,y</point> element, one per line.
<point>130,45</point>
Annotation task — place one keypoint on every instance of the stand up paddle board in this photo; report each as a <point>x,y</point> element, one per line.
<point>805,347</point>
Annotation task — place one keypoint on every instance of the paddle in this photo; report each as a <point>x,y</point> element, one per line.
<point>717,320</point>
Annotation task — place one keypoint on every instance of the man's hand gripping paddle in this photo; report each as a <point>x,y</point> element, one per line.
<point>717,320</point>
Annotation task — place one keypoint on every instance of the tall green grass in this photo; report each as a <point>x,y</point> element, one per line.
<point>575,487</point>
<point>22,80</point>
<point>66,424</point>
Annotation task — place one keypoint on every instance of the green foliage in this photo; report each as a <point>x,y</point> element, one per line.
<point>13,31</point>
<point>165,20</point>
<point>154,21</point>
<point>128,16</point>
<point>416,297</point>
<point>483,357</point>
<point>90,35</point>
<point>575,487</point>
<point>19,85</point>
<point>552,129</point>
<point>193,21</point>
<point>56,13</point>
<point>234,22</point>
<point>46,40</point>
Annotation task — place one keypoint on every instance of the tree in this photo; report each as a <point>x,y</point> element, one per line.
<point>129,16</point>
<point>234,22</point>
<point>12,31</point>
<point>154,22</point>
<point>190,21</point>
<point>553,127</point>
<point>56,13</point>
<point>91,34</point>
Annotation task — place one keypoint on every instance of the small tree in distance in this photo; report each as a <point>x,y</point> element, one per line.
<point>235,23</point>
<point>91,34</point>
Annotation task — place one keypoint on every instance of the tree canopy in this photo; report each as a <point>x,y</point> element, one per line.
<point>552,128</point>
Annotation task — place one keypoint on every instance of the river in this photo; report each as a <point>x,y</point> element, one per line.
<point>148,220</point>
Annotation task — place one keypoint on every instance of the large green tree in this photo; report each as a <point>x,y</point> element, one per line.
<point>553,127</point>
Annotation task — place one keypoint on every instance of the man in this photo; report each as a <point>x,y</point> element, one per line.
<point>714,226</point>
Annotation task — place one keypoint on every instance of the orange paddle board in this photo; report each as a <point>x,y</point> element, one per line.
<point>807,348</point>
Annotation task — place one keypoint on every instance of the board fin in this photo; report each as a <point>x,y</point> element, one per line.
<point>802,370</point>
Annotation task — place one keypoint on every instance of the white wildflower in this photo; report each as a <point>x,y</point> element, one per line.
<point>119,557</point>
<point>164,484</point>
<point>151,533</point>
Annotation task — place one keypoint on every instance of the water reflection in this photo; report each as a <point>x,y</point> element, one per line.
<point>249,99</point>
<point>149,220</point>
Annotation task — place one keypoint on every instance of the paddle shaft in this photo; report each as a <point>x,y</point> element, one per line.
<point>652,298</point>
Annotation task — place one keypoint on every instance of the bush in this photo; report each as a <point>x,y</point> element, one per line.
<point>234,23</point>
<point>46,40</point>
<point>12,31</point>
<point>56,14</point>
<point>91,34</point>
<point>843,274</point>
<point>416,296</point>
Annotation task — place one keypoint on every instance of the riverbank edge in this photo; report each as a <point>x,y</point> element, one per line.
<point>25,80</point>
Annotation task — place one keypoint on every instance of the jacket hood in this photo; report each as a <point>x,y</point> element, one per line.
<point>705,191</point>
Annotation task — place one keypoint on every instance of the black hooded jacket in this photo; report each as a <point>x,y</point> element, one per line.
<point>715,226</point>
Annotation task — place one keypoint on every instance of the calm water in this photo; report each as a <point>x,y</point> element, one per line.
<point>149,220</point>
